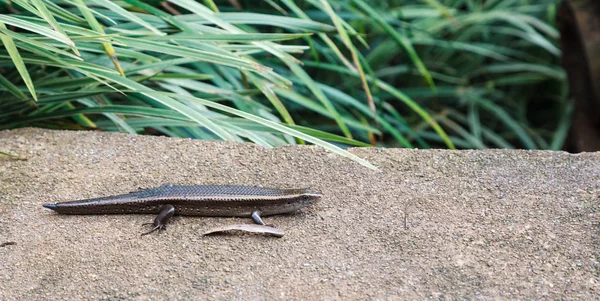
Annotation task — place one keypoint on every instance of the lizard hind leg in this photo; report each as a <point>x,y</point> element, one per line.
<point>164,215</point>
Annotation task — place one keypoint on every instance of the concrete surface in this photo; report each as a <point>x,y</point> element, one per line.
<point>487,225</point>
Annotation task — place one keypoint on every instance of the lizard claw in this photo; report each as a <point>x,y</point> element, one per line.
<point>159,228</point>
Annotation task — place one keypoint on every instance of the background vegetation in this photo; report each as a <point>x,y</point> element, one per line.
<point>404,73</point>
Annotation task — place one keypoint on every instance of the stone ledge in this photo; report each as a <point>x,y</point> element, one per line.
<point>492,224</point>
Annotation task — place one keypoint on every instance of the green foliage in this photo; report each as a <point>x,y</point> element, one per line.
<point>355,73</point>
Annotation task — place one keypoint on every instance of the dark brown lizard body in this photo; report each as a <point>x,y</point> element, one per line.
<point>199,200</point>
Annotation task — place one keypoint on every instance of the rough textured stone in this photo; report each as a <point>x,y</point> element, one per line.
<point>492,224</point>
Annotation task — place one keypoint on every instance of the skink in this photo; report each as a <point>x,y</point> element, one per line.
<point>199,200</point>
